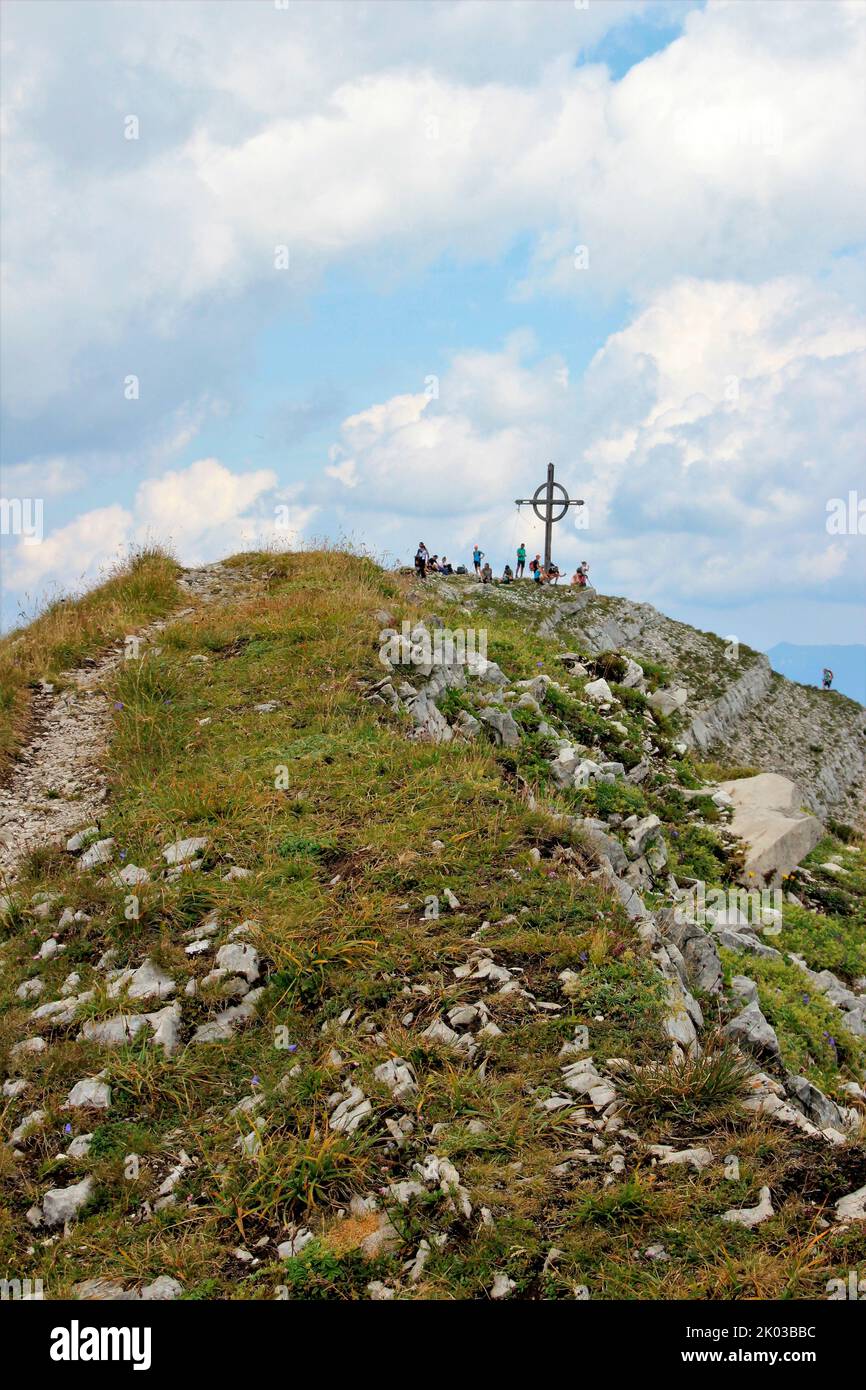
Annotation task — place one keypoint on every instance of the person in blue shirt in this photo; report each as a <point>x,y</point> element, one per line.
<point>521,559</point>
<point>477,557</point>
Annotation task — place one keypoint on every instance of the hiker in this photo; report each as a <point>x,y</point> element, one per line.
<point>422,557</point>
<point>487,573</point>
<point>827,679</point>
<point>580,576</point>
<point>435,566</point>
<point>507,575</point>
<point>477,557</point>
<point>552,575</point>
<point>535,569</point>
<point>445,568</point>
<point>521,559</point>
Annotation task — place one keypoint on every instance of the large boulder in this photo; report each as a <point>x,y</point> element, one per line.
<point>768,817</point>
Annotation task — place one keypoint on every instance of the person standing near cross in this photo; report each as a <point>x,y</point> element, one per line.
<point>521,560</point>
<point>550,502</point>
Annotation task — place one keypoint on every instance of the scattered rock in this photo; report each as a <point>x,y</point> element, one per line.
<point>852,1207</point>
<point>751,1216</point>
<point>184,851</point>
<point>503,1287</point>
<point>82,838</point>
<point>500,723</point>
<point>63,1204</point>
<point>239,959</point>
<point>102,852</point>
<point>91,1094</point>
<point>752,1031</point>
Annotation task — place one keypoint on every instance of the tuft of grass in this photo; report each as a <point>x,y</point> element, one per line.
<point>295,1169</point>
<point>705,1088</point>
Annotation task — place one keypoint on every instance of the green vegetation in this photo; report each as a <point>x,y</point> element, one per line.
<point>350,831</point>
<point>69,630</point>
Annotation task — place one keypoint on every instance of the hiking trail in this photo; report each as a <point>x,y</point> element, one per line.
<point>57,782</point>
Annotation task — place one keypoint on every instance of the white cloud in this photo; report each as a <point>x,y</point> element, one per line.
<point>345,472</point>
<point>669,169</point>
<point>42,477</point>
<point>202,512</point>
<point>75,554</point>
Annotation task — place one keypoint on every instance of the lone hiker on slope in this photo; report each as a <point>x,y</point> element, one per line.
<point>827,680</point>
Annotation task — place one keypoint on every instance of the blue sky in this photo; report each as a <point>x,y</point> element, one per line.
<point>626,237</point>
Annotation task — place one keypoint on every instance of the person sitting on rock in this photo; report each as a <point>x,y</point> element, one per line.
<point>445,568</point>
<point>579,578</point>
<point>486,573</point>
<point>552,576</point>
<point>507,575</point>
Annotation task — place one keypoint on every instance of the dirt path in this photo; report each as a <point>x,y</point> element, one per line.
<point>57,785</point>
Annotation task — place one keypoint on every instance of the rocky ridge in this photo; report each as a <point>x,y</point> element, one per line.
<point>738,710</point>
<point>632,854</point>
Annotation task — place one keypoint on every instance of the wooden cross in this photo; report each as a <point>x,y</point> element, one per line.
<point>543,503</point>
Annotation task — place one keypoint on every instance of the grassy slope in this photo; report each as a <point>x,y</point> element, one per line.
<point>68,631</point>
<point>336,857</point>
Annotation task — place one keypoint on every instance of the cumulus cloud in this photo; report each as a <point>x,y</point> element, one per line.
<point>699,160</point>
<point>73,555</point>
<point>202,513</point>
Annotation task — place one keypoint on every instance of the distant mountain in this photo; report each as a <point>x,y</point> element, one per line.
<point>805,664</point>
